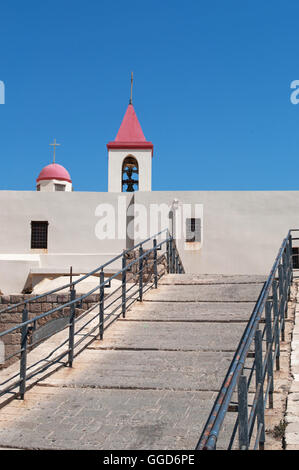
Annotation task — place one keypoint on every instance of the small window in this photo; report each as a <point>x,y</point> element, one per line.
<point>39,234</point>
<point>193,230</point>
<point>38,187</point>
<point>59,187</point>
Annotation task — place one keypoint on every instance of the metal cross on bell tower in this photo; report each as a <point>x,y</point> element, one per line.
<point>130,102</point>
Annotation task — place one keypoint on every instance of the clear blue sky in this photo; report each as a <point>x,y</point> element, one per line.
<point>211,90</point>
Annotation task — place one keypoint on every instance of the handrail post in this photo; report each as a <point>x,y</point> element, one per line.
<point>123,285</point>
<point>243,413</point>
<point>288,262</point>
<point>140,266</point>
<point>155,264</point>
<point>180,266</point>
<point>101,305</point>
<point>72,327</point>
<point>290,258</point>
<point>173,256</point>
<point>170,256</point>
<point>167,256</point>
<point>281,300</point>
<point>285,280</point>
<point>259,387</point>
<point>269,347</point>
<point>276,323</point>
<point>23,361</point>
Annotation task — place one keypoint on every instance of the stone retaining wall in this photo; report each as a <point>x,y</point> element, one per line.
<point>148,272</point>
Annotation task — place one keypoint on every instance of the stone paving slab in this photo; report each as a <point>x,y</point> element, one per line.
<point>172,336</point>
<point>204,293</point>
<point>211,279</point>
<point>52,418</point>
<point>145,369</point>
<point>191,311</point>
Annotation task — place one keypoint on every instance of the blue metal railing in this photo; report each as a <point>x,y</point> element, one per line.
<point>146,264</point>
<point>270,311</point>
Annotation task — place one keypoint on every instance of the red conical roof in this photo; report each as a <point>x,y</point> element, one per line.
<point>130,134</point>
<point>130,129</point>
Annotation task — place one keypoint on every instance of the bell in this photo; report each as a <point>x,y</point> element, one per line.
<point>130,184</point>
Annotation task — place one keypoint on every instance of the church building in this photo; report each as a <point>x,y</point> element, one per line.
<point>47,230</point>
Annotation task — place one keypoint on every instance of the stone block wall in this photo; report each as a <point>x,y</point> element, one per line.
<point>148,263</point>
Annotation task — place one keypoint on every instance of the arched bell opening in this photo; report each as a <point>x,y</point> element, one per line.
<point>130,175</point>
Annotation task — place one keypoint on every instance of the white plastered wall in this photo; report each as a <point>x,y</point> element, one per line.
<point>241,232</point>
<point>49,185</point>
<point>74,219</point>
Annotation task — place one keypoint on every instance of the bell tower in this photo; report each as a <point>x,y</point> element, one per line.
<point>130,156</point>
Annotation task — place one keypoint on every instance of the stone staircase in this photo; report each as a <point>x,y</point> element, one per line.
<point>151,382</point>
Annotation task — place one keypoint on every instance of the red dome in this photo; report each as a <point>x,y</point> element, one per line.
<point>54,172</point>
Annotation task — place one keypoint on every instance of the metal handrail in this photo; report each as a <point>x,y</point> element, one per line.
<point>85,276</point>
<point>274,309</point>
<point>174,265</point>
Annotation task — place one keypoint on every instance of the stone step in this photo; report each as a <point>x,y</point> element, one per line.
<point>162,370</point>
<point>211,279</point>
<point>191,311</point>
<point>172,336</point>
<point>205,293</point>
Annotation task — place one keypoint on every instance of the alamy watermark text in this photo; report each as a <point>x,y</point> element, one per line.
<point>2,92</point>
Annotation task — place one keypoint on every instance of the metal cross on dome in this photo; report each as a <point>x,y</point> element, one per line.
<point>54,145</point>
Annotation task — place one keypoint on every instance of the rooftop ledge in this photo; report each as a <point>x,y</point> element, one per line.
<point>66,271</point>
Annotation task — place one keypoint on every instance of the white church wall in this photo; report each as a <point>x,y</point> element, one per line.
<point>77,228</point>
<point>242,230</point>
